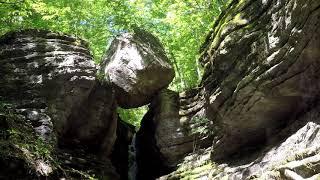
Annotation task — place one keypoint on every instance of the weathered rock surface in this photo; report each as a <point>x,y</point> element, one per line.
<point>94,123</point>
<point>291,154</point>
<point>261,65</point>
<point>46,75</point>
<point>138,66</point>
<point>173,136</point>
<point>169,136</point>
<point>51,104</point>
<point>120,154</point>
<point>262,62</point>
<point>148,169</point>
<point>255,114</point>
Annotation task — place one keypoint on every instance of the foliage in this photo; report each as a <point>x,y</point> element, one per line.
<point>21,147</point>
<point>133,116</point>
<point>181,25</point>
<point>95,21</point>
<point>199,125</point>
<point>18,141</point>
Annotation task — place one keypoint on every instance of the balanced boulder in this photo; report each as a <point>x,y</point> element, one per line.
<point>137,65</point>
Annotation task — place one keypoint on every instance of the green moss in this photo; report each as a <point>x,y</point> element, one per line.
<point>194,173</point>
<point>29,154</point>
<point>83,174</point>
<point>186,172</point>
<point>239,20</point>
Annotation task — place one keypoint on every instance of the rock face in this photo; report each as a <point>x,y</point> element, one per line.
<point>46,75</point>
<point>53,109</point>
<point>291,154</point>
<point>262,60</point>
<point>255,114</point>
<point>120,156</point>
<point>169,135</point>
<point>137,65</point>
<point>94,124</point>
<point>174,126</point>
<point>148,135</point>
<point>261,65</point>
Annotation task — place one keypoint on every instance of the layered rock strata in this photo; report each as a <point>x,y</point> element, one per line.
<point>51,103</point>
<point>261,63</point>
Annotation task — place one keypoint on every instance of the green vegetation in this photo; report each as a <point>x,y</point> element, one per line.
<point>188,171</point>
<point>181,26</point>
<point>200,127</point>
<point>18,142</point>
<point>133,116</point>
<point>22,148</point>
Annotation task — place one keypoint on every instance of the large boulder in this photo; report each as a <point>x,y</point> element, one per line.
<point>138,66</point>
<point>46,75</point>
<point>57,120</point>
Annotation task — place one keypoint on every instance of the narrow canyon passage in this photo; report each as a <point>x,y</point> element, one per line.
<point>253,115</point>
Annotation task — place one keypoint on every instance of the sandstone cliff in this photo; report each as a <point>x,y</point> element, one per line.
<point>254,113</point>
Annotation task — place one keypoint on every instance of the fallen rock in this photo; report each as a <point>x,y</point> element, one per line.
<point>138,66</point>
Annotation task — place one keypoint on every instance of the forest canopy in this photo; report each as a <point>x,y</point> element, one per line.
<point>181,25</point>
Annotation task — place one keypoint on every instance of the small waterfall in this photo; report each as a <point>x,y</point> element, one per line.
<point>132,173</point>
